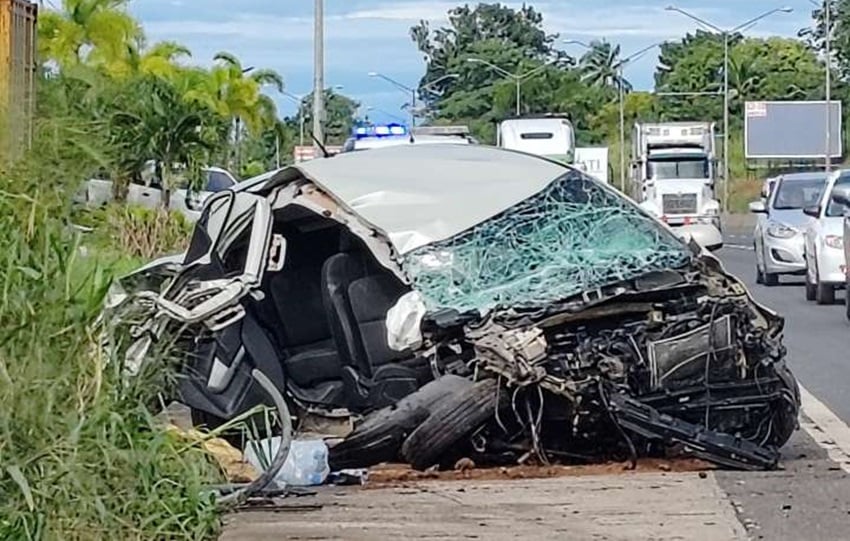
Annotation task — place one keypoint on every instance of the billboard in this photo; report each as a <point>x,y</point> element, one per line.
<point>791,129</point>
<point>593,161</point>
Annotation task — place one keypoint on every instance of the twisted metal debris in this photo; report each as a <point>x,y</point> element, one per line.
<point>574,236</point>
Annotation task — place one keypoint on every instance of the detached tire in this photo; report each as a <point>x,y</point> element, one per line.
<point>379,436</point>
<point>457,417</point>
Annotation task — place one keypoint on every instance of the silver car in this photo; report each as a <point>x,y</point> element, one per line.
<point>778,236</point>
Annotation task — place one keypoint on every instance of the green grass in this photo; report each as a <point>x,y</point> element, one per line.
<point>80,455</point>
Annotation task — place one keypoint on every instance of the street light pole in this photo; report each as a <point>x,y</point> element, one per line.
<point>518,78</point>
<point>409,89</point>
<point>725,33</point>
<point>725,121</point>
<point>622,97</point>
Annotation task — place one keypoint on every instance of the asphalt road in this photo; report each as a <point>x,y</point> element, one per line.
<point>810,499</point>
<point>817,337</point>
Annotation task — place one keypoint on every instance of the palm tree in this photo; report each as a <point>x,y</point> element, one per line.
<point>600,66</point>
<point>160,60</point>
<point>86,31</point>
<point>235,93</point>
<point>159,124</point>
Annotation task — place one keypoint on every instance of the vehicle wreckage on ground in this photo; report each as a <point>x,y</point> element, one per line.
<point>463,301</point>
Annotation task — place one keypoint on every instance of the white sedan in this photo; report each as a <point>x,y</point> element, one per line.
<point>824,243</point>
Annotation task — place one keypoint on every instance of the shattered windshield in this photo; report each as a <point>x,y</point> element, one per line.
<point>574,236</point>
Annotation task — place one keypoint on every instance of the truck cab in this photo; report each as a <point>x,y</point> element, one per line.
<point>551,136</point>
<point>674,172</point>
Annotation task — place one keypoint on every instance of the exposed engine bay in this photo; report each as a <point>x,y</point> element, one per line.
<point>692,361</point>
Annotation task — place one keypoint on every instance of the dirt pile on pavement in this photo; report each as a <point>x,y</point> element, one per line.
<point>395,475</point>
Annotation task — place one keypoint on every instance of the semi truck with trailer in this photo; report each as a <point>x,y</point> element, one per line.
<point>674,172</point>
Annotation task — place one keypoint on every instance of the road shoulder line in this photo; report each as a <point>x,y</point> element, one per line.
<point>826,428</point>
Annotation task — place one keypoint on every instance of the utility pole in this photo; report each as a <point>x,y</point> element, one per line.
<point>318,75</point>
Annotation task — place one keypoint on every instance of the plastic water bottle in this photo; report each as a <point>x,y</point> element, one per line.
<point>306,464</point>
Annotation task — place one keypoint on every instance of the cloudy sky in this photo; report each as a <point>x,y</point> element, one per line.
<point>372,35</point>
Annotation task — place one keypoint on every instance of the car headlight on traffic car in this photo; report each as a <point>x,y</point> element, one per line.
<point>780,231</point>
<point>834,241</point>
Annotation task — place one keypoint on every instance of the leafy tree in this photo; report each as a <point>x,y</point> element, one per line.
<point>158,124</point>
<point>341,116</point>
<point>479,29</point>
<point>600,66</point>
<point>840,44</point>
<point>759,69</point>
<point>86,31</point>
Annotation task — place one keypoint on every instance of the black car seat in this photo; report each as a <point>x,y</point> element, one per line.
<point>310,357</point>
<point>357,295</point>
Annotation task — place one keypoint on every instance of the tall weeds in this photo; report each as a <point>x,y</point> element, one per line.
<point>80,456</point>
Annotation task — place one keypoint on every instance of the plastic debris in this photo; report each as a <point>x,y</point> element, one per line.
<point>306,464</point>
<point>348,477</point>
<point>573,237</point>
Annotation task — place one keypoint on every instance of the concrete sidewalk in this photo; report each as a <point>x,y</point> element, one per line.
<point>645,506</point>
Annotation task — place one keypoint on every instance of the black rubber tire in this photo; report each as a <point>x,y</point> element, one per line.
<point>456,418</point>
<point>378,438</point>
<point>825,293</point>
<point>771,279</point>
<point>811,289</point>
<point>759,275</point>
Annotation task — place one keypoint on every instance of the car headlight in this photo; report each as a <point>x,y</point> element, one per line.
<point>834,241</point>
<point>780,231</point>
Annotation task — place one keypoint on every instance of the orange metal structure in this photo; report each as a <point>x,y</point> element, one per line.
<point>18,65</point>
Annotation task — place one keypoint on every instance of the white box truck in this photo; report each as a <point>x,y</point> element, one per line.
<point>674,172</point>
<point>550,135</point>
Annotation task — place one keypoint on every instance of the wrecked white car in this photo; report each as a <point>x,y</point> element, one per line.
<point>465,301</point>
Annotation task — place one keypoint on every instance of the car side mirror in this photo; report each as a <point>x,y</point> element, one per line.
<point>813,211</point>
<point>841,195</point>
<point>758,207</point>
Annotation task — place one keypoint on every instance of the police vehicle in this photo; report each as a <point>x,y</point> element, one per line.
<point>377,136</point>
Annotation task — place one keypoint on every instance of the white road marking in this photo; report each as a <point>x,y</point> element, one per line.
<point>826,428</point>
<point>739,247</point>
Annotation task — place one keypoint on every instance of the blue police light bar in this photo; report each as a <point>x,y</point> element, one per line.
<point>381,130</point>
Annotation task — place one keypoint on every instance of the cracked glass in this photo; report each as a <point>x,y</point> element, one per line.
<point>574,236</point>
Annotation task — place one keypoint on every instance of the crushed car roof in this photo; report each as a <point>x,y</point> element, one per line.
<point>422,194</point>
